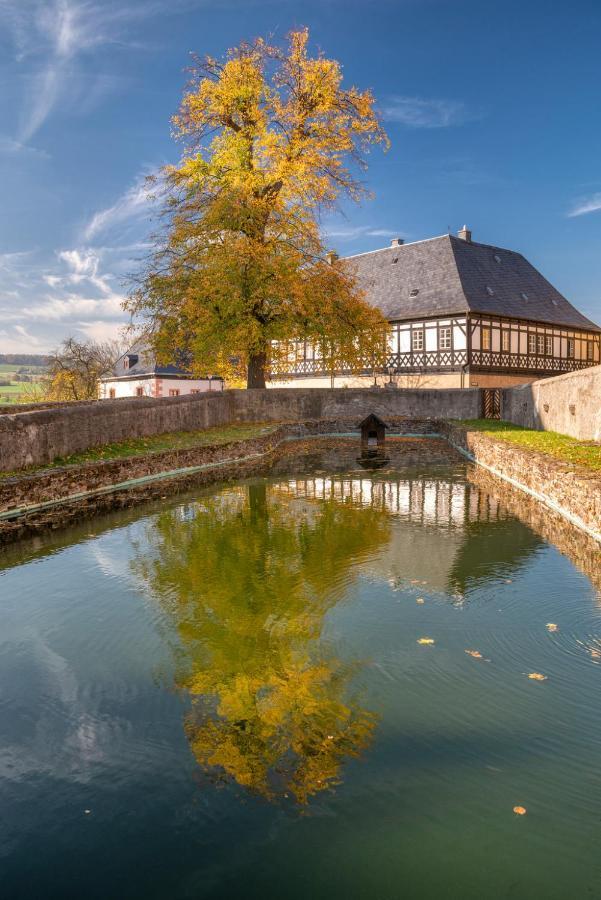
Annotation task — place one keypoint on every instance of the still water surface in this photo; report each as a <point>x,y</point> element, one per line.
<point>224,696</point>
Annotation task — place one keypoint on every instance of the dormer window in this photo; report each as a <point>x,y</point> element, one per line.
<point>130,360</point>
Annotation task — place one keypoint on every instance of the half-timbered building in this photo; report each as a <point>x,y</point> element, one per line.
<point>461,314</point>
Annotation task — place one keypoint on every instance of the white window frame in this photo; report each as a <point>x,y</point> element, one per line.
<point>571,348</point>
<point>532,342</point>
<point>417,340</point>
<point>486,338</point>
<point>445,338</point>
<point>505,340</point>
<point>548,345</point>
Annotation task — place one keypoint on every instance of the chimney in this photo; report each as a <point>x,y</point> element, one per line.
<point>397,242</point>
<point>331,257</point>
<point>465,234</point>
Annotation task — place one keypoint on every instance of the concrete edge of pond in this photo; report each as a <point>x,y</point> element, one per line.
<point>573,494</point>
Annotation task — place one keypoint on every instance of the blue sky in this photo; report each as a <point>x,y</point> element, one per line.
<point>493,110</point>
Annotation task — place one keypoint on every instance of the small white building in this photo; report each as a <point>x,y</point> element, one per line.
<point>136,374</point>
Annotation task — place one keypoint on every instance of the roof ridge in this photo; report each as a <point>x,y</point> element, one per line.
<point>437,237</point>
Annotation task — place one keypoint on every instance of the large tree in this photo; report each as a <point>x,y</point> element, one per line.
<point>271,141</point>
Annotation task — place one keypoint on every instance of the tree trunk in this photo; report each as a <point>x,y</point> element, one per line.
<point>256,370</point>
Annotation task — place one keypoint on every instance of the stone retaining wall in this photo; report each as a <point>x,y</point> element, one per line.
<point>26,489</point>
<point>564,487</point>
<point>40,436</point>
<point>237,460</point>
<point>569,404</point>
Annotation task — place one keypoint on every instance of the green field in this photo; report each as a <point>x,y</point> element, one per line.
<point>18,391</point>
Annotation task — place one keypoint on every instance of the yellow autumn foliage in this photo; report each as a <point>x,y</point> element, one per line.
<point>271,140</point>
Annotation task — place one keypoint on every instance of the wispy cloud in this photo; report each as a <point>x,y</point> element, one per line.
<point>54,37</point>
<point>352,233</point>
<point>419,112</point>
<point>10,147</point>
<point>77,291</point>
<point>133,204</point>
<point>586,205</point>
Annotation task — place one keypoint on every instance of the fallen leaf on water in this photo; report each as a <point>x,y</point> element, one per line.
<point>552,627</point>
<point>420,600</point>
<point>536,676</point>
<point>519,810</point>
<point>475,653</point>
<point>425,640</point>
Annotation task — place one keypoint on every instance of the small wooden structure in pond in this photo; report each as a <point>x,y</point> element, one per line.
<point>373,432</point>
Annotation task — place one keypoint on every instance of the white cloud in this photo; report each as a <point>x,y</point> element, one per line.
<point>418,112</point>
<point>43,300</point>
<point>352,233</point>
<point>54,36</point>
<point>133,204</point>
<point>586,205</point>
<point>10,147</point>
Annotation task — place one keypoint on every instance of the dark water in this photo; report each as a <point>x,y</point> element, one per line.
<point>224,696</point>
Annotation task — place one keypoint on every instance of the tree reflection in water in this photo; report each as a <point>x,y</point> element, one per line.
<point>247,578</point>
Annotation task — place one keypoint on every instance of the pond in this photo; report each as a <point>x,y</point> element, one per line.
<point>310,684</point>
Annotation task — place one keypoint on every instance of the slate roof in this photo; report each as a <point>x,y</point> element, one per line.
<point>146,365</point>
<point>453,276</point>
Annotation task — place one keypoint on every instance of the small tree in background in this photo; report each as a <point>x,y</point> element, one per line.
<point>74,369</point>
<point>270,136</point>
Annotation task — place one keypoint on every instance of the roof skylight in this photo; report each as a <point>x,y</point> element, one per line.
<point>524,295</point>
<point>497,258</point>
<point>489,290</point>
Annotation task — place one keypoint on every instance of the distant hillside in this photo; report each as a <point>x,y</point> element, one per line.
<point>23,359</point>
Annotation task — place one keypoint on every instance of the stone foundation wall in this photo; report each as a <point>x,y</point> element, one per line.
<point>39,436</point>
<point>569,404</point>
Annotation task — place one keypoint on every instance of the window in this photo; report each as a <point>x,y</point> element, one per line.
<point>417,339</point>
<point>112,393</point>
<point>195,391</point>
<point>486,338</point>
<point>540,344</point>
<point>571,348</point>
<point>444,339</point>
<point>139,392</point>
<point>505,341</point>
<point>589,351</point>
<point>531,342</point>
<point>173,392</point>
<point>548,345</point>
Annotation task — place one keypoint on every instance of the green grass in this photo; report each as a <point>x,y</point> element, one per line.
<point>560,446</point>
<point>175,440</point>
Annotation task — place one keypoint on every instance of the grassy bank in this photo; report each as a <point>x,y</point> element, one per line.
<point>175,440</point>
<point>560,446</point>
